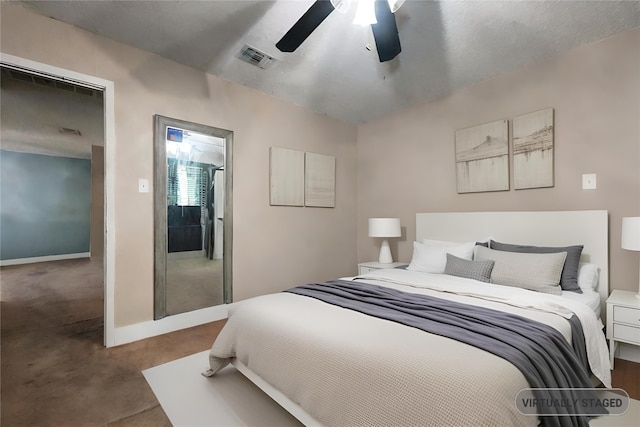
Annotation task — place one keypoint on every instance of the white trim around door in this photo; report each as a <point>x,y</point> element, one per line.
<point>107,87</point>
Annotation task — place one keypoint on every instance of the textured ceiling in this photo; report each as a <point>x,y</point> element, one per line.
<point>445,44</point>
<point>41,117</point>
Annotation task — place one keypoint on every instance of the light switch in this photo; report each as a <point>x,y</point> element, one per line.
<point>589,181</point>
<point>143,185</point>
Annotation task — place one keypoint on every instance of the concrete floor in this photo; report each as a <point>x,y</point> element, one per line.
<point>54,368</point>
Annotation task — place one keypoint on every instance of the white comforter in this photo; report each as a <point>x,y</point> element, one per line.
<point>346,368</point>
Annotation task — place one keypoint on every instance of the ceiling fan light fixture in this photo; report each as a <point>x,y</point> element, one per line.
<point>341,6</point>
<point>365,13</point>
<point>395,5</point>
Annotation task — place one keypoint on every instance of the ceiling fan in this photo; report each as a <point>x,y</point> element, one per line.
<point>378,13</point>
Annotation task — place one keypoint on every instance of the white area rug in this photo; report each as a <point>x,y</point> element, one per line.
<point>630,419</point>
<point>229,399</point>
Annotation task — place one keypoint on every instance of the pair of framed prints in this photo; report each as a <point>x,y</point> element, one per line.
<point>482,154</point>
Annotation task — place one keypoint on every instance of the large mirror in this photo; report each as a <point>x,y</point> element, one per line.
<point>193,216</point>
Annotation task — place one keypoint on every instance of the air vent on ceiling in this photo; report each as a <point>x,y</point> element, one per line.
<point>255,57</point>
<point>69,131</point>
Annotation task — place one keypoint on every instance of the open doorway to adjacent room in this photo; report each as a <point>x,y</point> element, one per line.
<point>52,204</point>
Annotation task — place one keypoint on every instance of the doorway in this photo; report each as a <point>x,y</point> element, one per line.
<point>77,81</point>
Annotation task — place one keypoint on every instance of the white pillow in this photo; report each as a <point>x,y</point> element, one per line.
<point>588,275</point>
<point>536,272</point>
<point>433,259</point>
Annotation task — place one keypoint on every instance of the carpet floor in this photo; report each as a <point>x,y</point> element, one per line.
<point>56,371</point>
<point>193,283</point>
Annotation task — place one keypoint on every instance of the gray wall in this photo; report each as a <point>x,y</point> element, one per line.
<point>44,205</point>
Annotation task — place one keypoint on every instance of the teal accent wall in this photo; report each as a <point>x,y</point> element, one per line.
<point>44,205</point>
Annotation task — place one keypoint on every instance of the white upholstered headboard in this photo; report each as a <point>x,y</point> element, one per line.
<point>550,228</point>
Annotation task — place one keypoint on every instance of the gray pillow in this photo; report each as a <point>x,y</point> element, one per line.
<point>478,270</point>
<point>569,278</point>
<point>536,272</point>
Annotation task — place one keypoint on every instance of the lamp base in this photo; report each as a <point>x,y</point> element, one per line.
<point>385,253</point>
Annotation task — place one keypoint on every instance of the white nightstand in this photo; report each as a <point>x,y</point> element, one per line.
<point>367,267</point>
<point>623,320</point>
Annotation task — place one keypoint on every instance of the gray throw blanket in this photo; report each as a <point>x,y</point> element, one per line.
<point>539,351</point>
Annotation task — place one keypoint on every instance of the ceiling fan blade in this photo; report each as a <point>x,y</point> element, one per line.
<point>305,25</point>
<point>385,32</point>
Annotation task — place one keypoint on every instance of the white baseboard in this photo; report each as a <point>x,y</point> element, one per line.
<point>176,322</point>
<point>33,260</point>
<point>628,352</point>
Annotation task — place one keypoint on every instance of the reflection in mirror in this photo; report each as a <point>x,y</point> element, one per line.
<point>192,189</point>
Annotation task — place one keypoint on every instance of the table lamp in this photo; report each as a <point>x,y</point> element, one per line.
<point>631,237</point>
<point>385,228</point>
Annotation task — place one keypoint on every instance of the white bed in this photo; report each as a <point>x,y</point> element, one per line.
<point>331,366</point>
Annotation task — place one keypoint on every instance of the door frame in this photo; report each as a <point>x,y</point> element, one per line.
<point>107,87</point>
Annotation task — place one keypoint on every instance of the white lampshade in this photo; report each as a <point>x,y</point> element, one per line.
<point>341,6</point>
<point>384,227</point>
<point>631,233</point>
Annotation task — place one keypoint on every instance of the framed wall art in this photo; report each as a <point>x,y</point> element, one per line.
<point>286,177</point>
<point>533,150</point>
<point>319,181</point>
<point>482,157</point>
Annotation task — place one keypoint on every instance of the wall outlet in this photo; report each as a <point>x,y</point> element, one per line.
<point>143,185</point>
<point>589,181</point>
